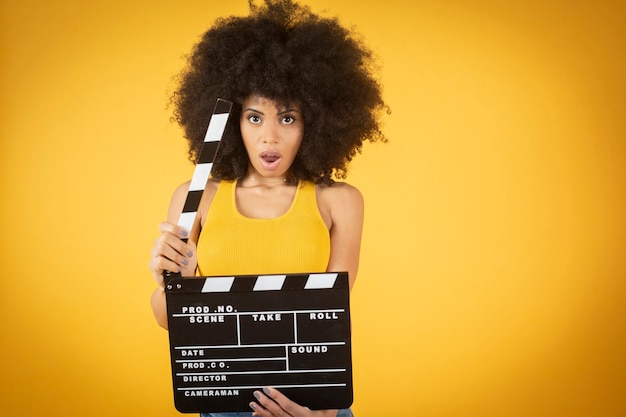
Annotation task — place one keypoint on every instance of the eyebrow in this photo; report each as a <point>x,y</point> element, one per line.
<point>289,110</point>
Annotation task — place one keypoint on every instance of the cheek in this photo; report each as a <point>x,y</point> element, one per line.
<point>300,142</point>
<point>295,147</point>
<point>246,137</point>
<point>297,140</point>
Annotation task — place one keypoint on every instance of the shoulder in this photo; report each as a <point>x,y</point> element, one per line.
<point>180,196</point>
<point>338,192</point>
<point>338,201</point>
<point>180,193</point>
<point>177,201</point>
<point>183,188</point>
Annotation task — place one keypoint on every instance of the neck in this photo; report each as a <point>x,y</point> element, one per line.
<point>252,180</point>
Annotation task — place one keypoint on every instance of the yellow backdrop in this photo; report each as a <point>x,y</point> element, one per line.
<point>492,280</point>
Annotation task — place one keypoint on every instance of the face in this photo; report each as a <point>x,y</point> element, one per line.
<point>272,135</point>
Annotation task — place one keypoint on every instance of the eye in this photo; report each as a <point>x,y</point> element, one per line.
<point>288,120</point>
<point>254,119</point>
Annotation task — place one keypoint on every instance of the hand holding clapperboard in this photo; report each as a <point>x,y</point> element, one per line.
<point>230,336</point>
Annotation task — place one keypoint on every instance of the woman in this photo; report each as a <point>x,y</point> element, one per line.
<point>304,102</point>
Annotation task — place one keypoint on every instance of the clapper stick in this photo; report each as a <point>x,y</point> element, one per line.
<point>201,173</point>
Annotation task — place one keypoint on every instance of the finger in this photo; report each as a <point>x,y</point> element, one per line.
<point>173,248</point>
<point>157,273</point>
<point>169,253</point>
<point>192,262</point>
<point>160,264</point>
<point>286,406</point>
<point>257,409</point>
<point>265,406</point>
<point>180,232</point>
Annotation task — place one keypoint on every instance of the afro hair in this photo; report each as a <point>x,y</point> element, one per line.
<point>283,52</point>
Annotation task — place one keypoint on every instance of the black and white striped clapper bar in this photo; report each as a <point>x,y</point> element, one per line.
<point>232,335</point>
<point>202,171</point>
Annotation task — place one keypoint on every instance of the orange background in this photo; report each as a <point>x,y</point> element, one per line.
<point>492,280</point>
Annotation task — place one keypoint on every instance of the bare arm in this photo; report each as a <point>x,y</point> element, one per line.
<point>170,253</point>
<point>343,205</point>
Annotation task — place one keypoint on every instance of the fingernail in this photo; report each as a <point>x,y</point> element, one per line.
<point>267,391</point>
<point>252,406</point>
<point>189,253</point>
<point>184,261</point>
<point>257,395</point>
<point>184,233</point>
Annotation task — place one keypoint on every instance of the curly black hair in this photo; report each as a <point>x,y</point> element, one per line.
<point>284,52</point>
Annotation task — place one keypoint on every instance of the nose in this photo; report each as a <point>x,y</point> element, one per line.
<point>270,133</point>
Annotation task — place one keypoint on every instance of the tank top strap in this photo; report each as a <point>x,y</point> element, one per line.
<point>305,198</point>
<point>224,198</point>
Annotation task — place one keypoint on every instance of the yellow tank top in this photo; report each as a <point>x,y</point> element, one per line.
<point>233,244</point>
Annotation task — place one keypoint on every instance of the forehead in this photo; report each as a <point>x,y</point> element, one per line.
<point>256,101</point>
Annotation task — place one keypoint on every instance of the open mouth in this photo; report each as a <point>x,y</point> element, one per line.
<point>270,159</point>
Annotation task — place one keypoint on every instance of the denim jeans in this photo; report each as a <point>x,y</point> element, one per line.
<point>341,413</point>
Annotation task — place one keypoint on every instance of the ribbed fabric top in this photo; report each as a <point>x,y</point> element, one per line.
<point>233,244</point>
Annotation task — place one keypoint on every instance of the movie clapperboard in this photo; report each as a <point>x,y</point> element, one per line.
<point>230,336</point>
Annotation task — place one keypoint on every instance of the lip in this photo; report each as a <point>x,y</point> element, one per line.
<point>270,160</point>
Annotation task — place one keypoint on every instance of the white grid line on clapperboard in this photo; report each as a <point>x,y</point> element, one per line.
<point>300,371</point>
<point>329,385</point>
<point>248,313</point>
